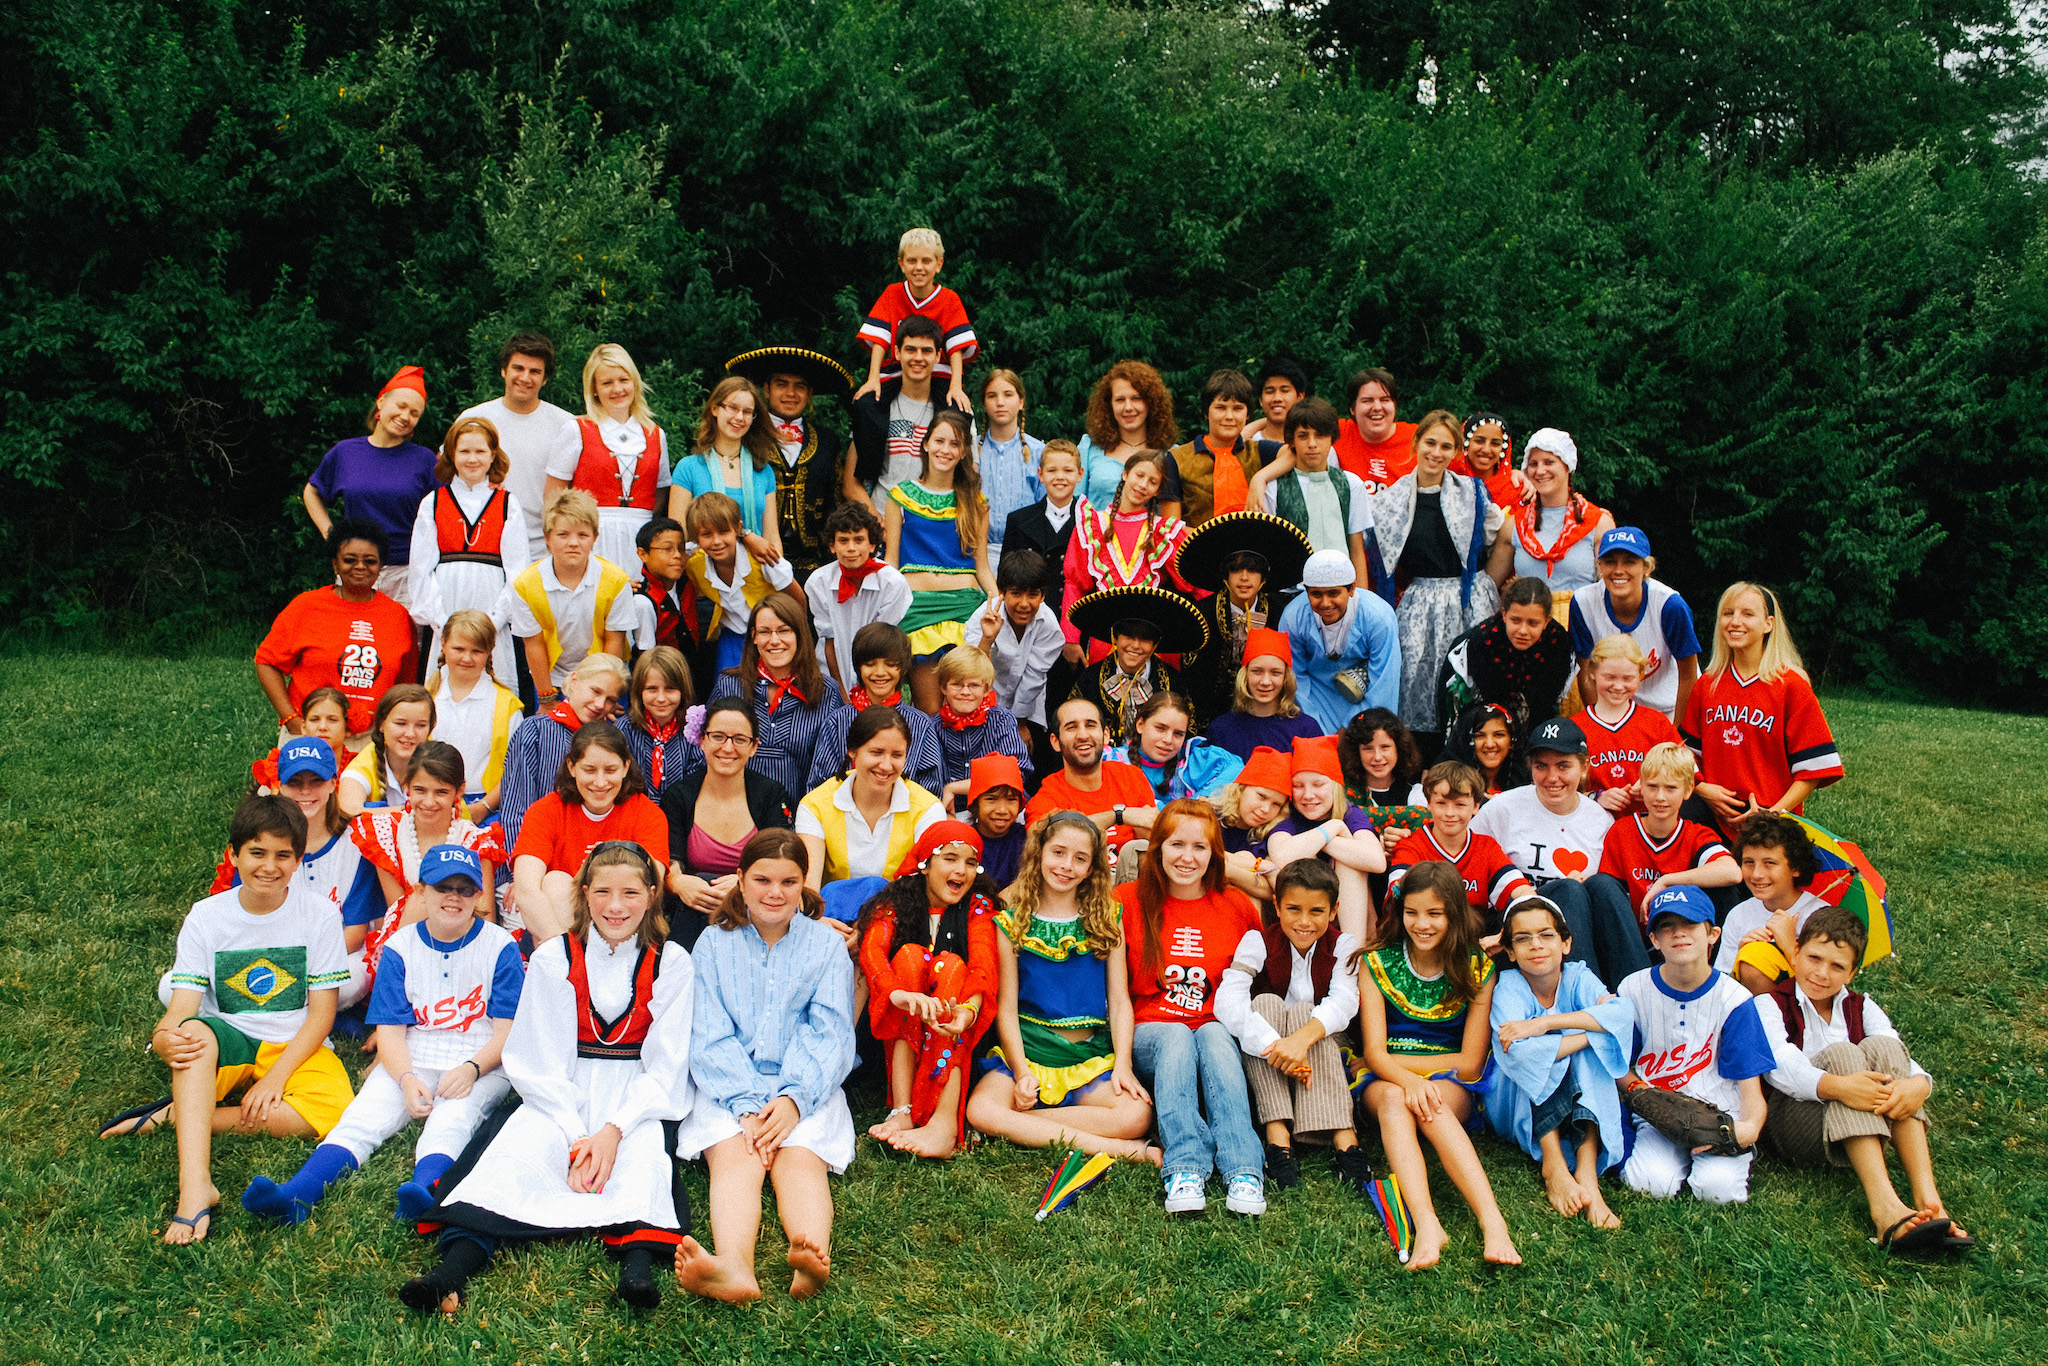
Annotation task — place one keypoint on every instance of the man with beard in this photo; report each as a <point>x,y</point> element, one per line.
<point>1116,796</point>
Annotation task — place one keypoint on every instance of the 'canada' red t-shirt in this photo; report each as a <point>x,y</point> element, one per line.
<point>1631,855</point>
<point>1197,940</point>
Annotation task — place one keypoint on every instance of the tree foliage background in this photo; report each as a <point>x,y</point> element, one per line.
<point>1779,266</point>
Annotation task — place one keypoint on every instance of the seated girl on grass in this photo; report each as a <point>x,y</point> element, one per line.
<point>773,1043</point>
<point>1424,1027</point>
<point>1057,1075</point>
<point>404,718</point>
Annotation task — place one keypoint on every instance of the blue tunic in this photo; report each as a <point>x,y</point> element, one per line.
<point>1374,643</point>
<point>1531,1070</point>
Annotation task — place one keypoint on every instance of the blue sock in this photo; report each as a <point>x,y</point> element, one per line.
<point>293,1201</point>
<point>416,1196</point>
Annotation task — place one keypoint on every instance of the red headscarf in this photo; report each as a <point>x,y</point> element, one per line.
<point>938,837</point>
<point>408,377</point>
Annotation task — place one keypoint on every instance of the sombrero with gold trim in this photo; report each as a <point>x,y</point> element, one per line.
<point>827,377</point>
<point>1283,545</point>
<point>1176,622</point>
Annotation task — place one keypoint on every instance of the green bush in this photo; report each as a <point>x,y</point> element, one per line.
<point>1805,348</point>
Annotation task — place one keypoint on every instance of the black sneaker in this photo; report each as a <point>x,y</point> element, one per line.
<point>1283,1168</point>
<point>1353,1170</point>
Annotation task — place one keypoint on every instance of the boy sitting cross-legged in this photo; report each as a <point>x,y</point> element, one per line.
<point>1700,1035</point>
<point>1289,991</point>
<point>253,993</point>
<point>1844,1083</point>
<point>1561,1043</point>
<point>447,989</point>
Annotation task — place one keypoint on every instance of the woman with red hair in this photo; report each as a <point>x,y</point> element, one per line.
<point>1129,410</point>
<point>1182,926</point>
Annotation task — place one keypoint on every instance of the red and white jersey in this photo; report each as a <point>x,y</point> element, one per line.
<point>447,995</point>
<point>1699,1043</point>
<point>1614,754</point>
<point>1638,860</point>
<point>1491,879</point>
<point>1756,736</point>
<point>942,306</point>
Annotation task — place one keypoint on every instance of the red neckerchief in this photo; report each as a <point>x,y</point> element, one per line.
<point>850,580</point>
<point>859,700</point>
<point>777,691</point>
<point>1580,517</point>
<point>789,431</point>
<point>661,735</point>
<point>953,720</point>
<point>566,714</point>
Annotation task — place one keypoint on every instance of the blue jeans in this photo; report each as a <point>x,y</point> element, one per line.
<point>1185,1068</point>
<point>1605,935</point>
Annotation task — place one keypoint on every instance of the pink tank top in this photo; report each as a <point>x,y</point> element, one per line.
<point>710,859</point>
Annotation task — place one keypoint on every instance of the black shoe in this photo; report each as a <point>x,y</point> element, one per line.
<point>1283,1168</point>
<point>1353,1170</point>
<point>425,1293</point>
<point>636,1280</point>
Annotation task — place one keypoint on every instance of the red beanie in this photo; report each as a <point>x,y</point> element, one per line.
<point>993,770</point>
<point>1266,641</point>
<point>408,377</point>
<point>1267,768</point>
<point>1318,755</point>
<point>938,837</point>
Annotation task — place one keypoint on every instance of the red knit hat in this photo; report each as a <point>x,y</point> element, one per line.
<point>408,377</point>
<point>938,837</point>
<point>1266,641</point>
<point>1267,768</point>
<point>1318,755</point>
<point>993,770</point>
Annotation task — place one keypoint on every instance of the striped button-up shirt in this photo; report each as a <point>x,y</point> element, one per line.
<point>771,1021</point>
<point>788,738</point>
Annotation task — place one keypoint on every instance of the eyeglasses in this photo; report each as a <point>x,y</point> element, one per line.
<point>719,739</point>
<point>1543,937</point>
<point>774,633</point>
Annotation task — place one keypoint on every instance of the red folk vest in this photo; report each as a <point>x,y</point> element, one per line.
<point>1786,994</point>
<point>597,470</point>
<point>462,541</point>
<point>1278,975</point>
<point>597,1037</point>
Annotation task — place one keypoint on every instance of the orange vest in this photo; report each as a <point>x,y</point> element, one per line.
<point>463,542</point>
<point>597,470</point>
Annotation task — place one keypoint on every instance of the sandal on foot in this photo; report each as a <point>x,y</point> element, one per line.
<point>1927,1237</point>
<point>193,1223</point>
<point>134,1119</point>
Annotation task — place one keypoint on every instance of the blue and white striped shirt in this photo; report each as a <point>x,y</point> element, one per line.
<point>787,739</point>
<point>772,1021</point>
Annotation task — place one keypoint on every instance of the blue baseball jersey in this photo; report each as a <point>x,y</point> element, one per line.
<point>447,994</point>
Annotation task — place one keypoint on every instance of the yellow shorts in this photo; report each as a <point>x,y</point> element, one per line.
<point>1765,957</point>
<point>319,1090</point>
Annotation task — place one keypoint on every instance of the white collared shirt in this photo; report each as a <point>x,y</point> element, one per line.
<point>574,610</point>
<point>732,597</point>
<point>1795,1074</point>
<point>867,846</point>
<point>467,726</point>
<point>884,596</point>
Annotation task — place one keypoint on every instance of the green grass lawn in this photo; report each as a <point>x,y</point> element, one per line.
<point>116,780</point>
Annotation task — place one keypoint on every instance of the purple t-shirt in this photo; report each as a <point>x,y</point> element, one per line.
<point>1240,732</point>
<point>381,484</point>
<point>1355,820</point>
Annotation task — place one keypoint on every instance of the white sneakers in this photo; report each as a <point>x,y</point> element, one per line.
<point>1245,1195</point>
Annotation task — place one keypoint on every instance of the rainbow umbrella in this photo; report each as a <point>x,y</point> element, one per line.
<point>1385,1194</point>
<point>1075,1175</point>
<point>1848,880</point>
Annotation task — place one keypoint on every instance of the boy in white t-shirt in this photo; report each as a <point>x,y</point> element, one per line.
<point>447,989</point>
<point>253,994</point>
<point>1760,939</point>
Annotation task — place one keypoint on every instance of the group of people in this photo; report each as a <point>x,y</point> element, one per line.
<point>1320,778</point>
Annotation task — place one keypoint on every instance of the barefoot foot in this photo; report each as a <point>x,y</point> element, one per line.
<point>1429,1247</point>
<point>896,1123</point>
<point>1147,1152</point>
<point>936,1139</point>
<point>1563,1189</point>
<point>700,1273</point>
<point>812,1265</point>
<point>1597,1212</point>
<point>1500,1248</point>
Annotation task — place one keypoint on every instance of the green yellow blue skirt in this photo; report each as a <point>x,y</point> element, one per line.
<point>937,619</point>
<point>1064,1067</point>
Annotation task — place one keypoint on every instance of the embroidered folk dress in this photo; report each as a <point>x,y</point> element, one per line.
<point>1061,985</point>
<point>1421,1021</point>
<point>1119,550</point>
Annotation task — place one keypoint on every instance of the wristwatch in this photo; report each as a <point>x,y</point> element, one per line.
<point>1118,818</point>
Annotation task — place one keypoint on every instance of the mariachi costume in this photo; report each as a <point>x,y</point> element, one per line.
<point>624,466</point>
<point>1170,621</point>
<point>956,963</point>
<point>807,478</point>
<point>1232,541</point>
<point>462,560</point>
<point>602,1037</point>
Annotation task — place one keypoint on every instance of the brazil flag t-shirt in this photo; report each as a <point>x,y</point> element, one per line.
<point>255,970</point>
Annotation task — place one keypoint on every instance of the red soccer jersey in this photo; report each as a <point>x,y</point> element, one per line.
<point>1378,463</point>
<point>1755,737</point>
<point>1199,939</point>
<point>1631,855</point>
<point>942,306</point>
<point>1490,879</point>
<point>321,640</point>
<point>1614,754</point>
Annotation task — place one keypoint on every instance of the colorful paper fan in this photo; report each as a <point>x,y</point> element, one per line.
<point>1848,880</point>
<point>1385,1194</point>
<point>1075,1175</point>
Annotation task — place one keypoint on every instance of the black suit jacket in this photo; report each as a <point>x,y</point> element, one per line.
<point>1028,529</point>
<point>871,427</point>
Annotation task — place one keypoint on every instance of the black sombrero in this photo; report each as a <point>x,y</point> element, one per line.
<point>1177,622</point>
<point>827,377</point>
<point>1209,547</point>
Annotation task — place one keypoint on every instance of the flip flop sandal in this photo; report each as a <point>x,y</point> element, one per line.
<point>1927,1237</point>
<point>193,1223</point>
<point>1958,1242</point>
<point>134,1119</point>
